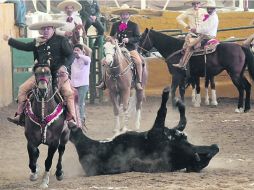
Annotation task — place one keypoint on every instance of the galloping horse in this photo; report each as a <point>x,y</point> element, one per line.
<point>44,124</point>
<point>228,56</point>
<point>119,81</point>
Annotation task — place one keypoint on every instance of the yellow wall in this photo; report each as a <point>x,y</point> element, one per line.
<point>6,27</point>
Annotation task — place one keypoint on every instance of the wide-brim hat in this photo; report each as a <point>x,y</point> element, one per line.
<point>76,5</point>
<point>47,21</point>
<point>124,8</point>
<point>193,1</point>
<point>210,4</point>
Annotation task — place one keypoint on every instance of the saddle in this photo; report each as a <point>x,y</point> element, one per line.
<point>127,55</point>
<point>209,47</point>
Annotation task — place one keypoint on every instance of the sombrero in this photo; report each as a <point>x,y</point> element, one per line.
<point>77,6</point>
<point>193,1</point>
<point>47,21</point>
<point>210,4</point>
<point>125,8</point>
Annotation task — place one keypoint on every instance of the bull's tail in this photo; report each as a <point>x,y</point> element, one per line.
<point>249,61</point>
<point>183,121</point>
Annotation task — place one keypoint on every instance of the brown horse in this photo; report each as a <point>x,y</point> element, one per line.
<point>230,57</point>
<point>44,124</point>
<point>119,81</point>
<point>78,35</point>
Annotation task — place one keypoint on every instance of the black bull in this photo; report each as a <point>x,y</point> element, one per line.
<point>158,150</point>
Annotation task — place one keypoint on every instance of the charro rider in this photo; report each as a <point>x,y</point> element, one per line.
<point>203,31</point>
<point>127,32</point>
<point>71,19</point>
<point>56,49</point>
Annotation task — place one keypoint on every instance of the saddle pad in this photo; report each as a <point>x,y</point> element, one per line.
<point>210,47</point>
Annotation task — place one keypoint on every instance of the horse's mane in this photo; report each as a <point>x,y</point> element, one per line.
<point>166,42</point>
<point>119,56</point>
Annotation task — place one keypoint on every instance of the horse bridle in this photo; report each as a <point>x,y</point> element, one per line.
<point>111,67</point>
<point>145,40</point>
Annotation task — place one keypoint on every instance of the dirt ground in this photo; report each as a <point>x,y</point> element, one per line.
<point>232,168</point>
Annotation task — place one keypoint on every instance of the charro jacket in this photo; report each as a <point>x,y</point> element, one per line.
<point>131,32</point>
<point>57,49</point>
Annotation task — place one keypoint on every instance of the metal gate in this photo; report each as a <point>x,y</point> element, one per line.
<point>22,63</point>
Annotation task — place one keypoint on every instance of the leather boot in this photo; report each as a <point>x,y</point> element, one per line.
<point>16,118</point>
<point>184,60</point>
<point>71,109</point>
<point>139,76</point>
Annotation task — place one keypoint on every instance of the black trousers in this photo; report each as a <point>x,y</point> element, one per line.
<point>97,24</point>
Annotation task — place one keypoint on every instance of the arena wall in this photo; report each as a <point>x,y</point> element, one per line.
<point>7,27</point>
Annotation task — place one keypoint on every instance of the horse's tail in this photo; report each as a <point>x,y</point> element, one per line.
<point>249,61</point>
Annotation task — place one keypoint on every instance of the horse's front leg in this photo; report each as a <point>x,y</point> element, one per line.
<point>174,85</point>
<point>182,85</point>
<point>64,139</point>
<point>125,95</point>
<point>33,153</point>
<point>114,100</point>
<point>48,163</point>
<point>139,98</point>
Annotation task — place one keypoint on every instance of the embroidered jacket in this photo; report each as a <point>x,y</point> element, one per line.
<point>131,32</point>
<point>57,49</point>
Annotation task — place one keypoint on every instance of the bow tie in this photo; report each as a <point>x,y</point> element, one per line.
<point>69,19</point>
<point>206,16</point>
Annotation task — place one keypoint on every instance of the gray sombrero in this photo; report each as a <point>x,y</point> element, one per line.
<point>124,8</point>
<point>47,21</point>
<point>77,6</point>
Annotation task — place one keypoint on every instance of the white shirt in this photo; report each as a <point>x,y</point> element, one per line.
<point>193,17</point>
<point>80,70</point>
<point>69,26</point>
<point>209,26</point>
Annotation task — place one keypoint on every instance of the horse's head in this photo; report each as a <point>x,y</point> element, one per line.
<point>109,50</point>
<point>145,43</point>
<point>43,79</point>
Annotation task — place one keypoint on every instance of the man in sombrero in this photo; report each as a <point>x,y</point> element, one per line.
<point>127,32</point>
<point>71,18</point>
<point>55,49</point>
<point>206,30</point>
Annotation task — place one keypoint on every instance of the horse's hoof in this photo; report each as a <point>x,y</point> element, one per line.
<point>44,186</point>
<point>214,103</point>
<point>246,110</point>
<point>239,110</point>
<point>60,176</point>
<point>197,105</point>
<point>207,103</point>
<point>33,176</point>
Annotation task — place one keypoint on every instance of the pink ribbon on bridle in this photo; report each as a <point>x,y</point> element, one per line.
<point>206,16</point>
<point>122,27</point>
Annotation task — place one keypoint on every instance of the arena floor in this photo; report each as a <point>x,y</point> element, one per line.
<point>232,168</point>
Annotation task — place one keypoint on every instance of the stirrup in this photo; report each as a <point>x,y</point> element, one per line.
<point>139,86</point>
